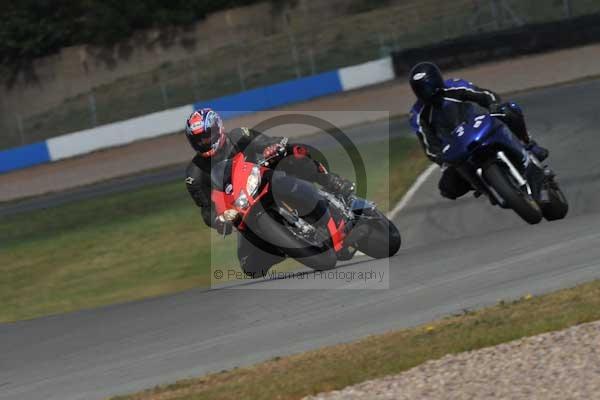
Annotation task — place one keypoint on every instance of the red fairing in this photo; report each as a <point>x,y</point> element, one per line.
<point>337,233</point>
<point>222,201</point>
<point>240,170</point>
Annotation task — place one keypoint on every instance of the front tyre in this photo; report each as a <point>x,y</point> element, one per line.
<point>383,239</point>
<point>320,256</point>
<point>522,203</point>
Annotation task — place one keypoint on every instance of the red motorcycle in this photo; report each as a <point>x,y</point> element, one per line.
<point>311,225</point>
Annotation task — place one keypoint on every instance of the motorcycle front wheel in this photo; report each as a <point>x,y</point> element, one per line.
<point>318,256</point>
<point>521,203</point>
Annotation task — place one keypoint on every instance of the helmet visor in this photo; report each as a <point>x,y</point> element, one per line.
<point>428,90</point>
<point>210,136</point>
<point>208,139</point>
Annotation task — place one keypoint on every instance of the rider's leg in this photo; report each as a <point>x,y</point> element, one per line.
<point>255,255</point>
<point>301,167</point>
<point>312,170</point>
<point>512,115</point>
<point>290,192</point>
<point>452,185</point>
<point>301,196</point>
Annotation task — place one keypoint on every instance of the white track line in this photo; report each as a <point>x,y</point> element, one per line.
<point>411,191</point>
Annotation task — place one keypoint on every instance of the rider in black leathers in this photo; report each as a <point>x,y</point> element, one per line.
<point>205,132</point>
<point>443,104</point>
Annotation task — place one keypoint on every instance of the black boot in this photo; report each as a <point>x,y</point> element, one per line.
<point>538,151</point>
<point>338,185</point>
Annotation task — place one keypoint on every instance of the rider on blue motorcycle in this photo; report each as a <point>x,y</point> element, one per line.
<point>442,105</point>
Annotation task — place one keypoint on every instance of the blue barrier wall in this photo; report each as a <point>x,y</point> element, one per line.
<point>268,97</point>
<point>24,156</point>
<point>167,121</point>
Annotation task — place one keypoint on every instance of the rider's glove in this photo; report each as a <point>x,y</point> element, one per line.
<point>339,185</point>
<point>273,150</point>
<point>223,226</point>
<point>436,158</point>
<point>496,108</point>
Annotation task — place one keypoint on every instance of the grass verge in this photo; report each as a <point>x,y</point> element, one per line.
<point>142,243</point>
<point>339,366</point>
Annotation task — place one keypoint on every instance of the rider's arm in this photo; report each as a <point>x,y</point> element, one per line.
<point>245,139</point>
<point>199,188</point>
<point>429,141</point>
<point>310,169</point>
<point>466,91</point>
<point>432,157</point>
<point>303,164</point>
<point>249,139</point>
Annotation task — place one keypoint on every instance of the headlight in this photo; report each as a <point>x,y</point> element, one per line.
<point>241,201</point>
<point>253,181</point>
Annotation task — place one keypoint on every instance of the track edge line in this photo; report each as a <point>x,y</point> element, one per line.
<point>411,192</point>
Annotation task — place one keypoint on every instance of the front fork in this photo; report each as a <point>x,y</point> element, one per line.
<point>514,172</point>
<point>521,181</point>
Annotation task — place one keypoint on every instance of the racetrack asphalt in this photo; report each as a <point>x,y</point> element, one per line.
<point>457,255</point>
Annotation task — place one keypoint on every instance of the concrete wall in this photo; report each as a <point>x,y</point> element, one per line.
<point>75,70</point>
<point>82,87</point>
<point>172,120</point>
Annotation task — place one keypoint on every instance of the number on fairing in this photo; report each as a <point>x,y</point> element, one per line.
<point>478,121</point>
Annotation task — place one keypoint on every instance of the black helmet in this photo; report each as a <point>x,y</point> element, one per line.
<point>426,81</point>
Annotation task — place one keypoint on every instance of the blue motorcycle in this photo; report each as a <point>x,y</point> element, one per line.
<point>496,164</point>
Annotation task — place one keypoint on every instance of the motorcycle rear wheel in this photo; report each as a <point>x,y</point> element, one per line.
<point>558,207</point>
<point>383,239</point>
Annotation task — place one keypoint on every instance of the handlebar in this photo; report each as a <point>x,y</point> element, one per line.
<point>281,152</point>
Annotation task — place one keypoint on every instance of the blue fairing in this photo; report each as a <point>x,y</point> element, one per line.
<point>481,133</point>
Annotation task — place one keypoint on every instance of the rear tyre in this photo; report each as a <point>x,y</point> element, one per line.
<point>383,239</point>
<point>558,206</point>
<point>522,203</point>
